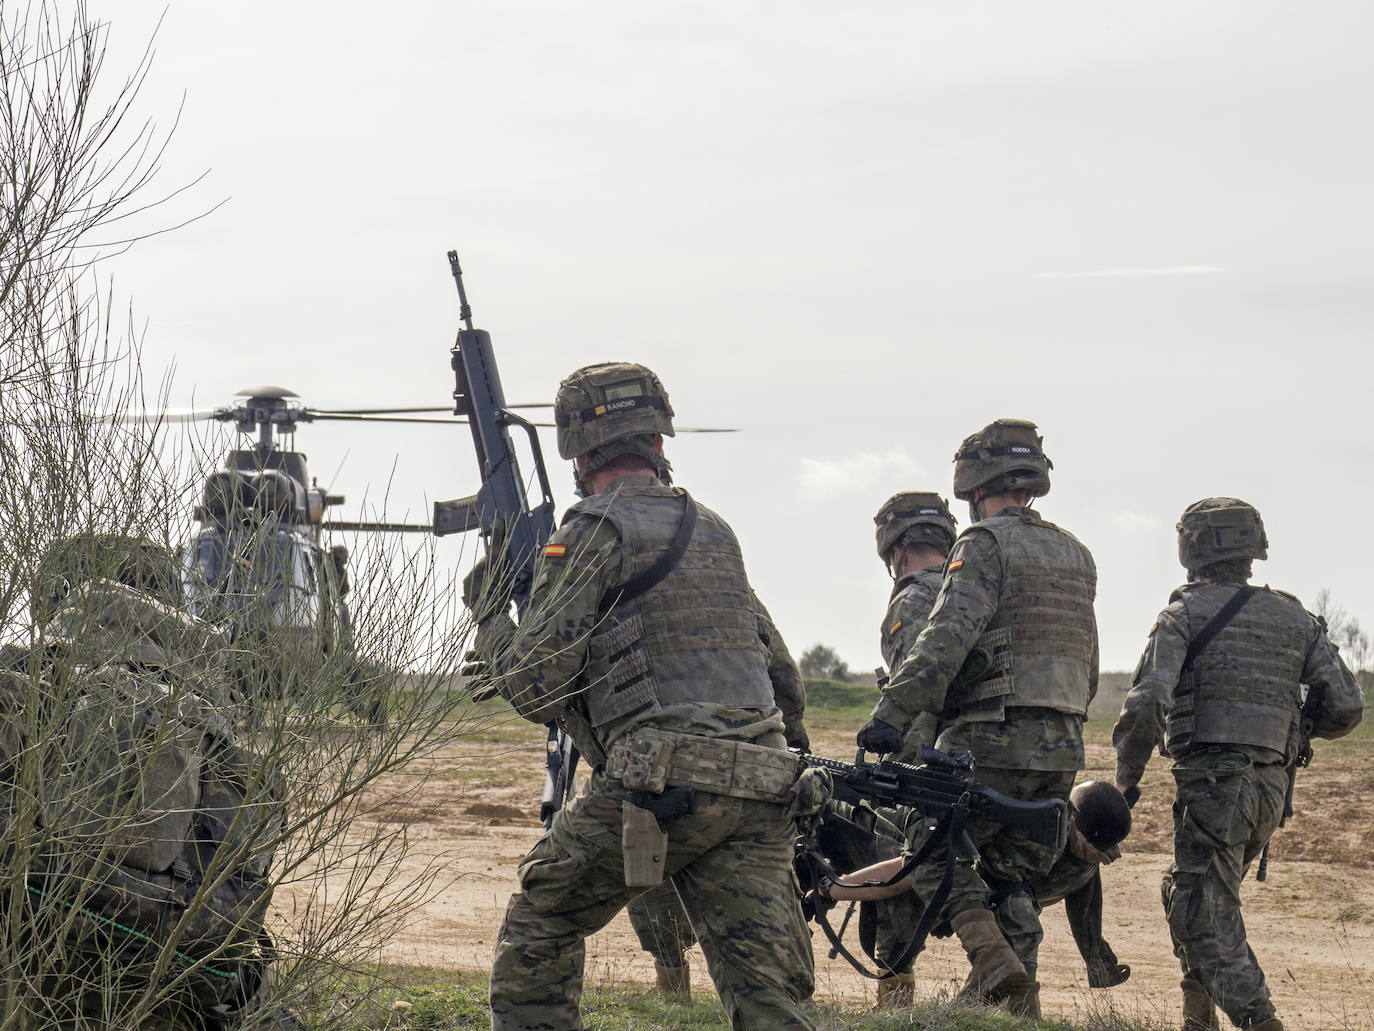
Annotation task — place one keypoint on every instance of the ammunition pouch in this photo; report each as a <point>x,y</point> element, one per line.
<point>648,759</point>
<point>978,691</point>
<point>619,676</point>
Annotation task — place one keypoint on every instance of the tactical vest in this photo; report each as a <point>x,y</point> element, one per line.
<point>1037,648</point>
<point>913,596</point>
<point>1243,687</point>
<point>691,639</point>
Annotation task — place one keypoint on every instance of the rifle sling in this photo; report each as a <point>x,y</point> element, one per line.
<point>1216,625</point>
<point>663,565</point>
<point>950,828</point>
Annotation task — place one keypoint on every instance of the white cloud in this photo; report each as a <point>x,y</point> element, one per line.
<point>1121,273</point>
<point>865,471</point>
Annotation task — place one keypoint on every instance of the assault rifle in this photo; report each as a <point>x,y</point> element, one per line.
<point>943,790</point>
<point>1307,721</point>
<point>502,507</point>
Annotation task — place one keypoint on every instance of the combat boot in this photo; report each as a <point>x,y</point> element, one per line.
<point>1025,1001</point>
<point>997,973</point>
<point>1199,1013</point>
<point>1272,1024</point>
<point>673,982</point>
<point>896,990</point>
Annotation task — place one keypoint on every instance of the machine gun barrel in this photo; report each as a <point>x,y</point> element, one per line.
<point>936,786</point>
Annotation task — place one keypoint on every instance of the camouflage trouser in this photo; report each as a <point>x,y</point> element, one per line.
<point>1009,859</point>
<point>896,917</point>
<point>661,924</point>
<point>1225,811</point>
<point>731,862</point>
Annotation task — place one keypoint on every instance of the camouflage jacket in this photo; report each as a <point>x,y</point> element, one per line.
<point>1026,738</point>
<point>1140,729</point>
<point>913,596</point>
<point>539,663</point>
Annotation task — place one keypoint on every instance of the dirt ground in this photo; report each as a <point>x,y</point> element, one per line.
<point>1311,923</point>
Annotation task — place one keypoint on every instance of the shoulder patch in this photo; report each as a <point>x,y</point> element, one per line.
<point>956,565</point>
<point>555,550</point>
<point>894,628</point>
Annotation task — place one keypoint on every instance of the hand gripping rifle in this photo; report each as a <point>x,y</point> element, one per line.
<point>502,501</point>
<point>944,792</point>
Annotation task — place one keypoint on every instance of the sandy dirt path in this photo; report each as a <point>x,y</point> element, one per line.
<point>1311,923</point>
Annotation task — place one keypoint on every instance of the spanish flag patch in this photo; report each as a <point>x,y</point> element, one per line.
<point>555,550</point>
<point>956,565</point>
<point>894,628</point>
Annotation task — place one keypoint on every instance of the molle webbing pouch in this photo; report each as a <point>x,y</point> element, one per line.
<point>984,680</point>
<point>640,761</point>
<point>733,768</point>
<point>619,679</point>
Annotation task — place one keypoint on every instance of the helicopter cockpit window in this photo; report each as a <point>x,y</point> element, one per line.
<point>266,575</point>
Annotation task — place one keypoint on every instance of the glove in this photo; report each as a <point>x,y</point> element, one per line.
<point>488,585</point>
<point>880,737</point>
<point>481,682</point>
<point>799,740</point>
<point>1132,795</point>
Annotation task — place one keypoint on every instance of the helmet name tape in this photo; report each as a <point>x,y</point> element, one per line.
<point>999,452</point>
<point>616,407</point>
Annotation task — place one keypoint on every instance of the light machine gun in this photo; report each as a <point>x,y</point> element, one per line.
<point>501,507</point>
<point>947,796</point>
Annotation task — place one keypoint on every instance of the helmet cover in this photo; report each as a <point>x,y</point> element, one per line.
<point>1008,452</point>
<point>921,514</point>
<point>1216,529</point>
<point>601,403</point>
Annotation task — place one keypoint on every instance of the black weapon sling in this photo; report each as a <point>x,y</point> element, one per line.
<point>949,828</point>
<point>663,565</point>
<point>1216,625</point>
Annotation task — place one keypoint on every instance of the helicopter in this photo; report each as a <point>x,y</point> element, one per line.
<point>259,561</point>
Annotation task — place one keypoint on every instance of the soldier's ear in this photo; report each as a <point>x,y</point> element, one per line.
<point>658,443</point>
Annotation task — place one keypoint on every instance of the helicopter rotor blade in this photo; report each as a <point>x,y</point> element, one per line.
<point>411,411</point>
<point>378,527</point>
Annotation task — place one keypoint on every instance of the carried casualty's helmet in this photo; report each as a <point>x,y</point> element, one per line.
<point>1100,813</point>
<point>914,517</point>
<point>1217,529</point>
<point>602,403</point>
<point>1004,455</point>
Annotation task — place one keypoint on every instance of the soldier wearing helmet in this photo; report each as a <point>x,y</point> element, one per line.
<point>914,531</point>
<point>1008,661</point>
<point>1219,690</point>
<point>643,639</point>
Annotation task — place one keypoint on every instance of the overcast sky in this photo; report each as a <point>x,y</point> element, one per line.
<point>857,233</point>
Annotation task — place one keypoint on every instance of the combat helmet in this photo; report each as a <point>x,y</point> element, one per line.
<point>601,403</point>
<point>1101,814</point>
<point>1004,455</point>
<point>136,562</point>
<point>1218,529</point>
<point>914,517</point>
<point>610,409</point>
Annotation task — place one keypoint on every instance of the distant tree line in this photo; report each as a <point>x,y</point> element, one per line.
<point>821,662</point>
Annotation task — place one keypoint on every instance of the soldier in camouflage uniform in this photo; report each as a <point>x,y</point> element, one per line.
<point>914,531</point>
<point>665,690</point>
<point>1009,660</point>
<point>1230,713</point>
<point>659,921</point>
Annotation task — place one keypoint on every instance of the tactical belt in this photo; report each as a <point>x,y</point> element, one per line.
<point>736,769</point>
